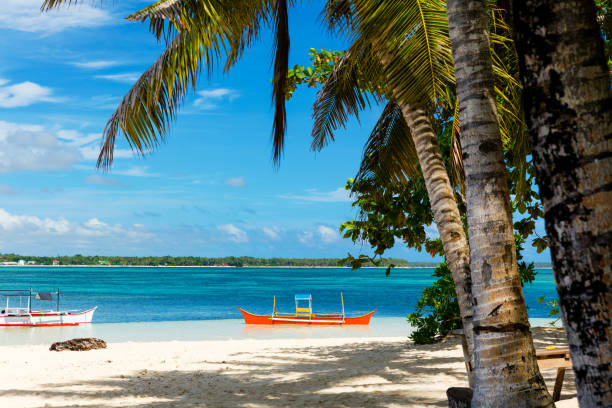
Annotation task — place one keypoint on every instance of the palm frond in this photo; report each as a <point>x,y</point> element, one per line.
<point>354,80</point>
<point>389,155</point>
<point>146,110</point>
<point>281,68</point>
<point>338,15</point>
<point>51,4</point>
<point>411,37</point>
<point>456,156</point>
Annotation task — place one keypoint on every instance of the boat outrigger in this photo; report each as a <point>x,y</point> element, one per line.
<point>24,316</point>
<point>304,315</point>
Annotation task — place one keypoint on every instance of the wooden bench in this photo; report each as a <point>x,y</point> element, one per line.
<point>555,357</point>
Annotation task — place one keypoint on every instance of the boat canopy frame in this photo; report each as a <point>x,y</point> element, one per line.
<point>27,293</point>
<point>307,312</point>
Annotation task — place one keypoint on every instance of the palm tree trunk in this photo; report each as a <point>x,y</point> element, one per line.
<point>446,213</point>
<point>506,371</point>
<point>568,106</point>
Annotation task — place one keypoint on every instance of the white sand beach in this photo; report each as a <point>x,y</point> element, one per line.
<point>320,372</point>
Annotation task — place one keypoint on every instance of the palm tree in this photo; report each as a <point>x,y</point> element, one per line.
<point>406,80</point>
<point>369,65</point>
<point>569,111</point>
<point>506,372</point>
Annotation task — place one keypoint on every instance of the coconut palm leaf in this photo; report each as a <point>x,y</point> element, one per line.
<point>197,33</point>
<point>245,20</point>
<point>456,156</point>
<point>389,155</point>
<point>281,69</point>
<point>411,37</point>
<point>50,4</point>
<point>144,113</point>
<point>347,90</point>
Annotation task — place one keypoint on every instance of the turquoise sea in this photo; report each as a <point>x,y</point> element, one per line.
<point>205,295</point>
<point>137,294</point>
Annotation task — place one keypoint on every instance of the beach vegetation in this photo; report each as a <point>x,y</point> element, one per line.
<point>437,310</point>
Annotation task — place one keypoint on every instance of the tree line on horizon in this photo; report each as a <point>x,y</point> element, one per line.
<point>237,261</point>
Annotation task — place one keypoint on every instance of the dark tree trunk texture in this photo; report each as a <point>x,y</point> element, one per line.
<point>568,107</point>
<point>506,371</point>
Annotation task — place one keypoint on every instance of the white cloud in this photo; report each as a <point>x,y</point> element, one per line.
<point>235,182</point>
<point>75,138</point>
<point>128,77</point>
<point>271,233</point>
<point>103,181</point>
<point>305,237</point>
<point>32,147</point>
<point>136,171</point>
<point>232,233</point>
<point>338,195</point>
<point>23,94</point>
<point>26,147</point>
<point>25,15</point>
<point>32,226</point>
<point>327,234</point>
<point>212,98</point>
<point>92,153</point>
<point>96,64</point>
<point>6,190</point>
<point>105,101</point>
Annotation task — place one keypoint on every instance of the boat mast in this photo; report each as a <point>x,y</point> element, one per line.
<point>58,295</point>
<point>274,307</point>
<point>342,301</point>
<point>30,302</point>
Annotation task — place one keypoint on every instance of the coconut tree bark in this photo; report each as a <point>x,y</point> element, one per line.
<point>445,210</point>
<point>506,371</point>
<point>568,107</point>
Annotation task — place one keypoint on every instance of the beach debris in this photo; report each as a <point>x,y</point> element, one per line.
<point>82,344</point>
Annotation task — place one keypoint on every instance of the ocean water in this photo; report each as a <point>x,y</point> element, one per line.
<point>136,294</point>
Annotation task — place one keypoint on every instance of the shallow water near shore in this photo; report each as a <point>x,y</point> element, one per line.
<point>226,329</point>
<point>155,304</point>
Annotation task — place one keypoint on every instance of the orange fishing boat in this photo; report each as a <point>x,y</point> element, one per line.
<point>304,315</point>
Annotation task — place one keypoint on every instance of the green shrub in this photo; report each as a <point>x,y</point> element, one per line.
<point>437,310</point>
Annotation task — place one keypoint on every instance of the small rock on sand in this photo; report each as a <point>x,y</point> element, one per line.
<point>83,344</point>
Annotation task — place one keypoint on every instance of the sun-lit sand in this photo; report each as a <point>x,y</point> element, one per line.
<point>319,372</point>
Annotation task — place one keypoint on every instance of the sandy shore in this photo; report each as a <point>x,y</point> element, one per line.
<point>374,372</point>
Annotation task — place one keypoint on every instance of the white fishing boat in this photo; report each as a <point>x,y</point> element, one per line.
<point>16,310</point>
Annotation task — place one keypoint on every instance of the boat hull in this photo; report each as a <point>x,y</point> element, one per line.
<point>336,320</point>
<point>42,319</point>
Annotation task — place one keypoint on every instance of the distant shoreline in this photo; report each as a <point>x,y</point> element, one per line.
<point>213,266</point>
<point>224,266</point>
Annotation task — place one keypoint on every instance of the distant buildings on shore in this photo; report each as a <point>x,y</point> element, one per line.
<point>20,262</point>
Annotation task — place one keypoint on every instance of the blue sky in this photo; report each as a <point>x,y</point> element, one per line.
<point>211,190</point>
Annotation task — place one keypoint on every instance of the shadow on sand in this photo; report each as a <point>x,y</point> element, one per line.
<point>400,375</point>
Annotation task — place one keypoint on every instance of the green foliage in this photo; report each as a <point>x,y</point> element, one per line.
<point>604,18</point>
<point>386,214</point>
<point>323,63</point>
<point>437,310</point>
<point>526,270</point>
<point>553,308</point>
